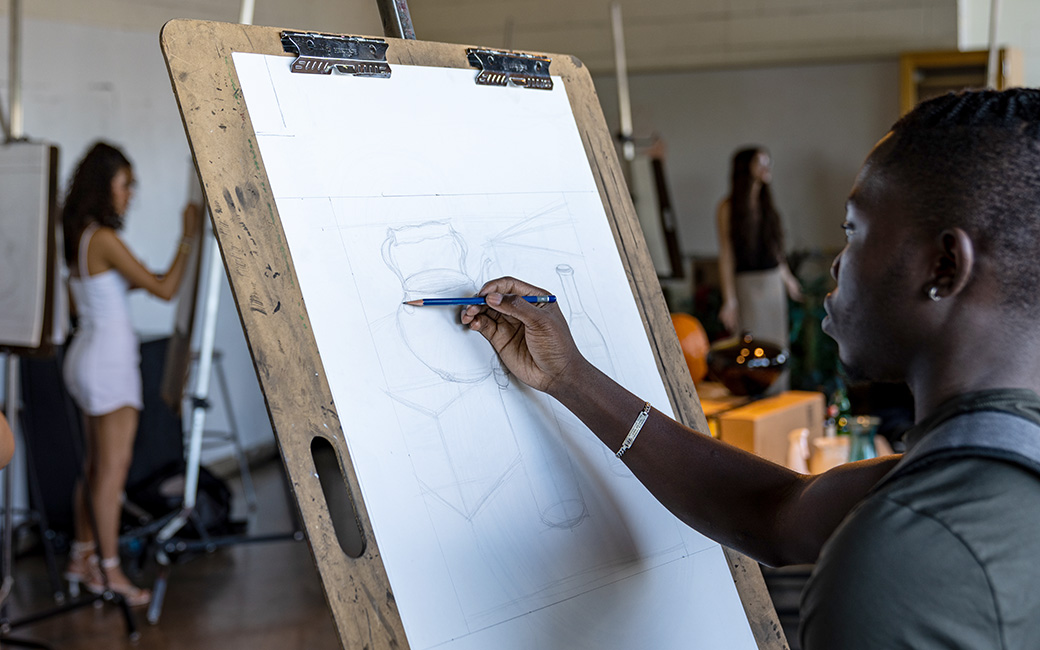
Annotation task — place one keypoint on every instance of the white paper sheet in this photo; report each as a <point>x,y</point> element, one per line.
<point>502,521</point>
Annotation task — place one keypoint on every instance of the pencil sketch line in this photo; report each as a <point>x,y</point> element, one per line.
<point>603,585</point>
<point>528,224</point>
<point>422,409</point>
<point>599,576</point>
<point>529,247</point>
<point>274,87</point>
<point>470,511</point>
<point>346,256</point>
<point>450,576</point>
<point>562,506</point>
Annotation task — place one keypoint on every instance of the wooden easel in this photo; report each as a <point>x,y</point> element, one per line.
<point>275,318</point>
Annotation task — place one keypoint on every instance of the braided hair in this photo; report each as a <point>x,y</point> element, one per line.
<point>972,160</point>
<point>90,195</point>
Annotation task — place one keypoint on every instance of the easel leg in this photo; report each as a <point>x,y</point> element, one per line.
<point>159,591</point>
<point>166,544</point>
<point>46,534</point>
<point>214,272</point>
<point>248,490</point>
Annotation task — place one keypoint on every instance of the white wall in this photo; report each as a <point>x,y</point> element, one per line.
<point>105,78</point>
<point>1018,26</point>
<point>119,91</point>
<point>818,121</point>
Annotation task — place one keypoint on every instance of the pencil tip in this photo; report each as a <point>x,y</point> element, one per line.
<point>417,303</point>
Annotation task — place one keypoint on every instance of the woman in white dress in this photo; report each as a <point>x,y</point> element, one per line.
<point>102,366</point>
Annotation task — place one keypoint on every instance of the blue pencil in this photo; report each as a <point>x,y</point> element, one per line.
<point>476,300</point>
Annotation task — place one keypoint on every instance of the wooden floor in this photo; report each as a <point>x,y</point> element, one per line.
<point>242,597</point>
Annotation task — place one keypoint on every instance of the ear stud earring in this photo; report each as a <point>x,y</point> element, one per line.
<point>933,293</point>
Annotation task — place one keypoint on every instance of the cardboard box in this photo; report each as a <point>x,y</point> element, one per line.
<point>761,426</point>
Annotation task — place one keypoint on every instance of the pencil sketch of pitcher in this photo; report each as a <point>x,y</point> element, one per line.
<point>469,445</point>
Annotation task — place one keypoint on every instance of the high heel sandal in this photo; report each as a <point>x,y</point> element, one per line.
<point>134,595</point>
<point>81,566</point>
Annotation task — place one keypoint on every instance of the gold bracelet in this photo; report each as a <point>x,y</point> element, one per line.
<point>634,431</point>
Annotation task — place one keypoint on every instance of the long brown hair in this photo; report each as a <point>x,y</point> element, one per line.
<point>766,235</point>
<point>90,195</point>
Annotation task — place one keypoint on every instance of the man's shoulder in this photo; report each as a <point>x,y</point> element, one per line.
<point>984,507</point>
<point>943,550</point>
<point>963,492</point>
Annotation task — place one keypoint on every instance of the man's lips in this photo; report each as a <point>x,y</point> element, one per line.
<point>827,309</point>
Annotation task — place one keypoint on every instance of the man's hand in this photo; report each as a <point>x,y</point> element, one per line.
<point>532,340</point>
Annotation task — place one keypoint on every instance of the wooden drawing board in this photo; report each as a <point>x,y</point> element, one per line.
<point>179,354</point>
<point>270,266</point>
<point>33,304</point>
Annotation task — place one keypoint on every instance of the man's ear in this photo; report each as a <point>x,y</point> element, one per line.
<point>955,263</point>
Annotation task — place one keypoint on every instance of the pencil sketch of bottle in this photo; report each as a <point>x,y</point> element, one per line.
<point>590,341</point>
<point>586,335</point>
<point>460,424</point>
<point>548,466</point>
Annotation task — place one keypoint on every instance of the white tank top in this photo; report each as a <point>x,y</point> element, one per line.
<point>100,299</point>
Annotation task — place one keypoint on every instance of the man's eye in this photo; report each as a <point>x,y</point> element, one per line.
<point>847,227</point>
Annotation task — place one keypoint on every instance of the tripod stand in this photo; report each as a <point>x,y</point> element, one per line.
<point>168,546</point>
<point>107,596</point>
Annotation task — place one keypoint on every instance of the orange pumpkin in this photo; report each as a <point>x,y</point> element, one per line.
<point>694,342</point>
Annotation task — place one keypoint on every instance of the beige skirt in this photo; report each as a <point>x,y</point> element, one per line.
<point>763,305</point>
<point>762,300</point>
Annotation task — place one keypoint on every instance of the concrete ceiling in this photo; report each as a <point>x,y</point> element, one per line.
<point>678,34</point>
<point>659,34</point>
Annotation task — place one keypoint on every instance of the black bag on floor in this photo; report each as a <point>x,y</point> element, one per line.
<point>163,493</point>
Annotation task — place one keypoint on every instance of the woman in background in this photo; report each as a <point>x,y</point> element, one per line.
<point>753,267</point>
<point>102,366</point>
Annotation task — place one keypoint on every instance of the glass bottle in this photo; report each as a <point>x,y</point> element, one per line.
<point>862,429</point>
